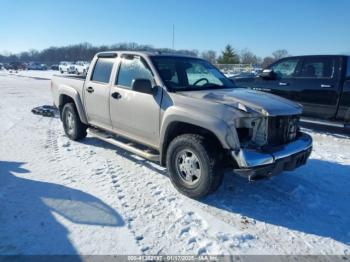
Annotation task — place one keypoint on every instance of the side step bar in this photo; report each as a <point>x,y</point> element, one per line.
<point>132,148</point>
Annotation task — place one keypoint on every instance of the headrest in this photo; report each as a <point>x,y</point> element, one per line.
<point>166,74</point>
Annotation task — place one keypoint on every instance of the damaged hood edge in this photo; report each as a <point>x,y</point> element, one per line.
<point>248,101</point>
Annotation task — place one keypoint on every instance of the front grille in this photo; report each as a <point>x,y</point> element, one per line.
<point>282,129</point>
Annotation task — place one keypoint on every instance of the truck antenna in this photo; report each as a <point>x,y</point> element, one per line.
<point>173,36</point>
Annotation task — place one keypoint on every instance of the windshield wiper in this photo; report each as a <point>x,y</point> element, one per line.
<point>215,86</point>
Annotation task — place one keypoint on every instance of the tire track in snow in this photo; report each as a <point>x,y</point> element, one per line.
<point>158,215</point>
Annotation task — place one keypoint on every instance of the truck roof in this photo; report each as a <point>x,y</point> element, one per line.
<point>140,53</point>
<point>316,56</point>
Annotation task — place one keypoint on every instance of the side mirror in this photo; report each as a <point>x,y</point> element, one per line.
<point>142,86</point>
<point>268,74</point>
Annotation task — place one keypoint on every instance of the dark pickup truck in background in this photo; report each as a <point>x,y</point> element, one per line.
<point>321,83</point>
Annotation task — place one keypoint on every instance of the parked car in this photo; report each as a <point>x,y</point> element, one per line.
<point>81,67</point>
<point>43,66</point>
<point>243,75</point>
<point>15,66</point>
<point>33,66</point>
<point>54,67</point>
<point>184,113</point>
<point>66,67</point>
<point>321,83</point>
<point>1,66</point>
<point>36,66</point>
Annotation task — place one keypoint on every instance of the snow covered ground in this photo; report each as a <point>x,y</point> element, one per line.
<point>46,74</point>
<point>63,197</point>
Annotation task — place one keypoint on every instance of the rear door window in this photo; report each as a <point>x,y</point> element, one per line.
<point>132,68</point>
<point>102,71</point>
<point>317,67</point>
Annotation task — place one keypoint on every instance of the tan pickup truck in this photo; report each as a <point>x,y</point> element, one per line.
<point>185,114</point>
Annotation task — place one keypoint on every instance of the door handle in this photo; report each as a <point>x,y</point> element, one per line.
<point>116,95</point>
<point>90,89</point>
<point>325,86</point>
<point>283,84</point>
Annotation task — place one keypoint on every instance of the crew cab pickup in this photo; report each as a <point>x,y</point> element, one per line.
<point>185,114</point>
<point>321,83</point>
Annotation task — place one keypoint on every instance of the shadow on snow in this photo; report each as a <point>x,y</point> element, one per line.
<point>27,223</point>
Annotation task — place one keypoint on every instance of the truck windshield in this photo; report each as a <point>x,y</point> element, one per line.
<point>189,74</point>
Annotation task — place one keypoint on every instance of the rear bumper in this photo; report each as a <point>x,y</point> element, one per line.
<point>253,163</point>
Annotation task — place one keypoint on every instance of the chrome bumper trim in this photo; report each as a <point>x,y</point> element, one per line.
<point>249,158</point>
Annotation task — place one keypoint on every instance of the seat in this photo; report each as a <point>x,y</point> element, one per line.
<point>166,74</point>
<point>308,71</point>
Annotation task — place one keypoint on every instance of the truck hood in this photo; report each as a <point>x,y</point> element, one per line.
<point>248,100</point>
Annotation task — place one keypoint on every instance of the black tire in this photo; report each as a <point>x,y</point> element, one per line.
<point>211,172</point>
<point>72,125</point>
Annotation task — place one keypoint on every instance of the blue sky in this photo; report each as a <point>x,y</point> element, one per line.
<point>302,27</point>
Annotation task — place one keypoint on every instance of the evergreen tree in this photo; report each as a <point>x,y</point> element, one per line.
<point>228,56</point>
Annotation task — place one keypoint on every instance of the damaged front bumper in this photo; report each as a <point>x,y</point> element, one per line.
<point>254,163</point>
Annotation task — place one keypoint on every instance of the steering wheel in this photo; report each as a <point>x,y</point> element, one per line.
<point>200,80</point>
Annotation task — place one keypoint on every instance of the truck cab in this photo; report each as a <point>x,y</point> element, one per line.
<point>319,82</point>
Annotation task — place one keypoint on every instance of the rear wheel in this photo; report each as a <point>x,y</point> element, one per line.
<point>72,125</point>
<point>193,166</point>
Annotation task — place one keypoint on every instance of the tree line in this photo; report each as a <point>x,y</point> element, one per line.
<point>81,52</point>
<point>231,56</point>
<point>86,51</point>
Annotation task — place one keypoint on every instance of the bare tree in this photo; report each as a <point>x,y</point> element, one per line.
<point>276,55</point>
<point>83,51</point>
<point>267,61</point>
<point>209,55</point>
<point>280,53</point>
<point>248,57</point>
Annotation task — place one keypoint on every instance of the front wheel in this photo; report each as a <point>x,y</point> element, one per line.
<point>194,166</point>
<point>72,125</point>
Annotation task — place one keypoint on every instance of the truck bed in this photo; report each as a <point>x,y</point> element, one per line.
<point>80,77</point>
<point>69,82</point>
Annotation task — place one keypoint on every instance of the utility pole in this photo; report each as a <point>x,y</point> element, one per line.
<point>173,36</point>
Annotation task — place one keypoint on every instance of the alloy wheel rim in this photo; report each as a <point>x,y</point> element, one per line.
<point>188,167</point>
<point>70,122</point>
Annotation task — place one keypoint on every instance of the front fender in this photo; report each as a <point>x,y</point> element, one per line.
<point>227,137</point>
